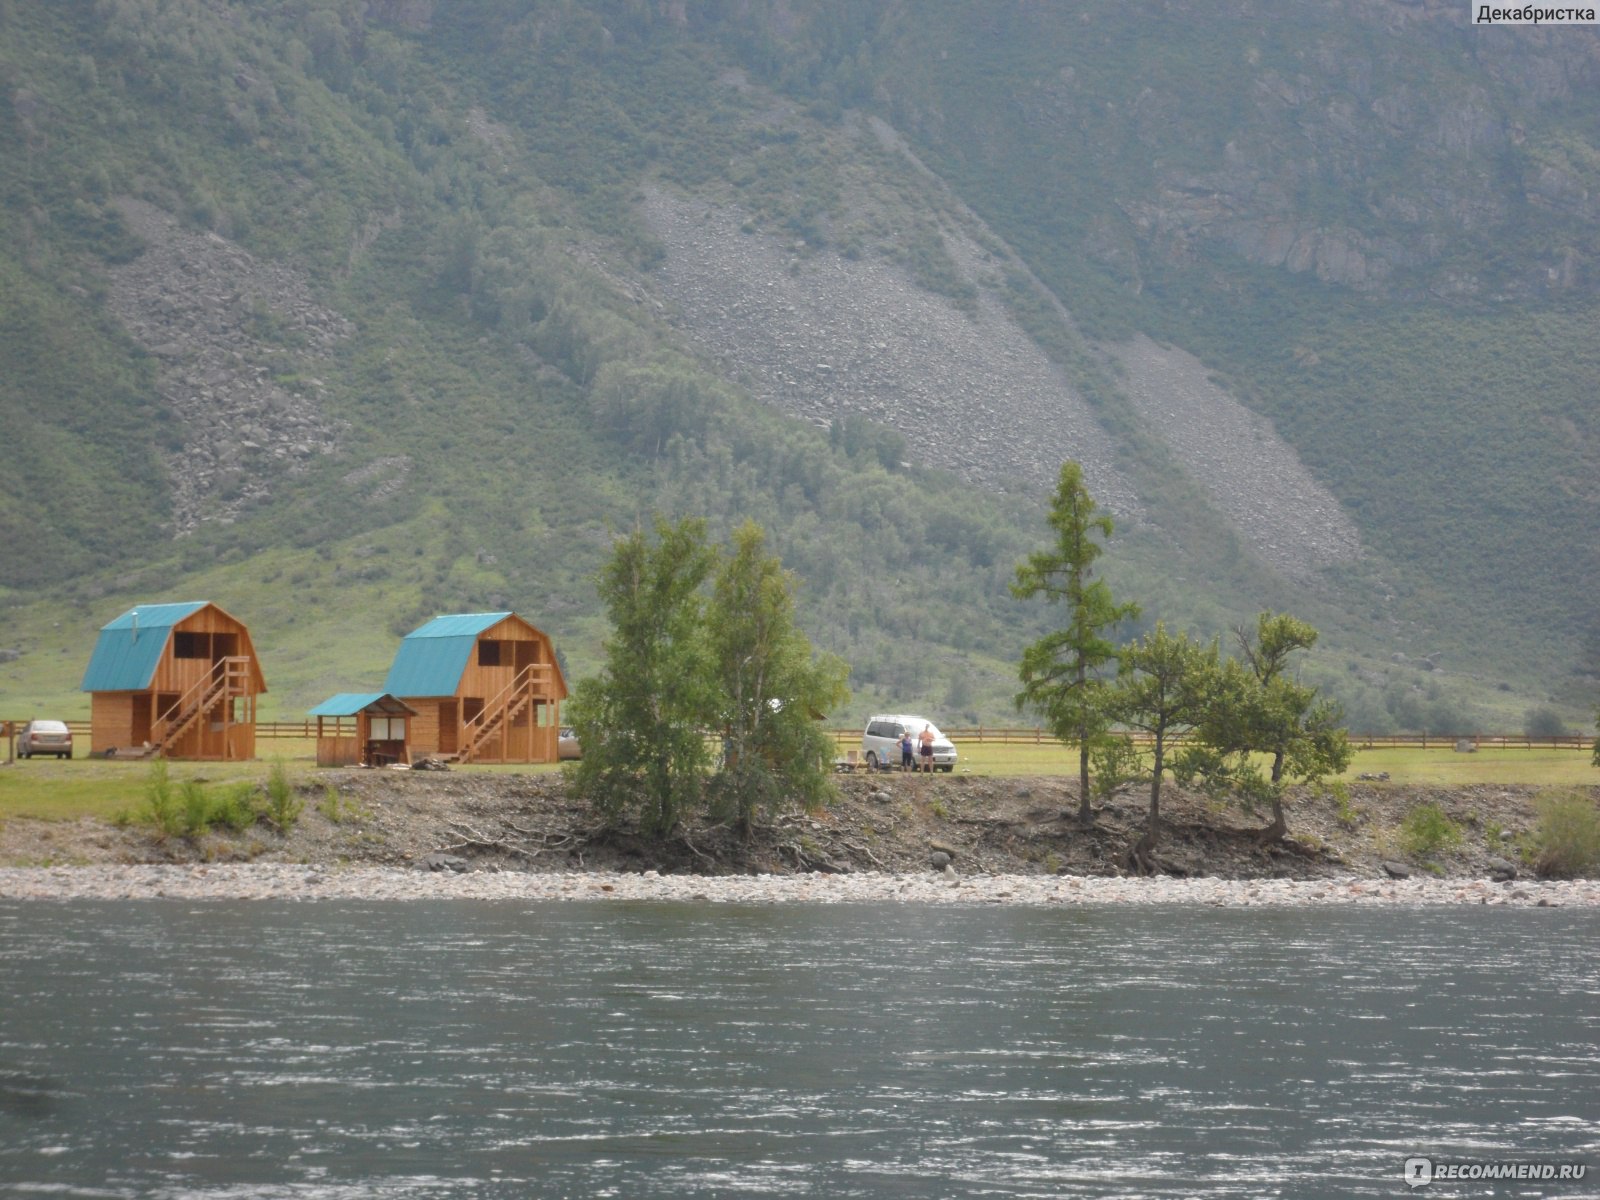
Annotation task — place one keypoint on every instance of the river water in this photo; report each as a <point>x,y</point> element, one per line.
<point>455,1049</point>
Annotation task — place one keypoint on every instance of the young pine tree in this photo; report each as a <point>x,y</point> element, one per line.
<point>1063,672</point>
<point>1265,728</point>
<point>1165,686</point>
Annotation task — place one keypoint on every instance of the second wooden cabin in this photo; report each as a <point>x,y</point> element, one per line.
<point>485,687</point>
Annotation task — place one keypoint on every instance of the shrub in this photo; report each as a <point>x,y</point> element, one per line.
<point>1542,722</point>
<point>194,808</point>
<point>284,804</point>
<point>1114,762</point>
<point>331,805</point>
<point>1348,815</point>
<point>234,809</point>
<point>191,810</point>
<point>1566,839</point>
<point>160,803</point>
<point>1427,830</point>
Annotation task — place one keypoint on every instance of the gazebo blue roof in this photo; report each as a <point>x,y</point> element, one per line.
<point>432,657</point>
<point>348,704</point>
<point>129,648</point>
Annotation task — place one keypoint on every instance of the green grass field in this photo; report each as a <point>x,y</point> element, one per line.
<point>51,790</point>
<point>48,789</point>
<point>1442,767</point>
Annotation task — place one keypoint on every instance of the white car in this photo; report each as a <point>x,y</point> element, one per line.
<point>44,737</point>
<point>880,743</point>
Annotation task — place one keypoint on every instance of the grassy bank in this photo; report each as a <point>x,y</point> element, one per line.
<point>1433,767</point>
<point>48,789</point>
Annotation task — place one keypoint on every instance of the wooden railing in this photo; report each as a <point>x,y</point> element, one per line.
<point>498,713</point>
<point>1030,736</point>
<point>228,677</point>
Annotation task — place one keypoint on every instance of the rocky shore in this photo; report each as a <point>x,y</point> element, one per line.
<point>290,882</point>
<point>383,836</point>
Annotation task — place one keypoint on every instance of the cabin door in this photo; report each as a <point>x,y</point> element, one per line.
<point>139,733</point>
<point>449,727</point>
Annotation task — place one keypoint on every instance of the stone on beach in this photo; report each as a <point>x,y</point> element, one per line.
<point>265,881</point>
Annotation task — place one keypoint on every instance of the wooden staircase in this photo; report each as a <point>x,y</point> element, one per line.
<point>498,714</point>
<point>227,679</point>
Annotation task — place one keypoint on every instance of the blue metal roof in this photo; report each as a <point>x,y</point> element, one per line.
<point>348,704</point>
<point>344,704</point>
<point>129,648</point>
<point>431,658</point>
<point>458,625</point>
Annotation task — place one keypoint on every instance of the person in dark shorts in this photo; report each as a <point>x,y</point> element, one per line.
<point>925,739</point>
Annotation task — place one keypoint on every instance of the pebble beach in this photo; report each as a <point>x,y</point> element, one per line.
<point>288,882</point>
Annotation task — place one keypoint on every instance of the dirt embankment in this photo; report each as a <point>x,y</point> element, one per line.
<point>896,823</point>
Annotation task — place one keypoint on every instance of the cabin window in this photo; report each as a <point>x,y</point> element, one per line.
<point>190,645</point>
<point>388,729</point>
<point>490,652</point>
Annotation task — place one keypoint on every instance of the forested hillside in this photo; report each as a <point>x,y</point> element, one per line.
<point>343,313</point>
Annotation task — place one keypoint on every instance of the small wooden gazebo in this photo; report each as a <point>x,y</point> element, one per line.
<point>367,729</point>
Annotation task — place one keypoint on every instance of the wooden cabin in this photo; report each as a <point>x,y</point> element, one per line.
<point>176,680</point>
<point>367,729</point>
<point>486,687</point>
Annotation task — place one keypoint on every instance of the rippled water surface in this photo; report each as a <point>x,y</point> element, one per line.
<point>463,1049</point>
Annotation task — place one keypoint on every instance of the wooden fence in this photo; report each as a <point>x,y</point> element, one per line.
<point>1017,735</point>
<point>1028,736</point>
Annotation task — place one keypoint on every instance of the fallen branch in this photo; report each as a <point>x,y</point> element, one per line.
<point>684,838</point>
<point>482,841</point>
<point>860,849</point>
<point>544,836</point>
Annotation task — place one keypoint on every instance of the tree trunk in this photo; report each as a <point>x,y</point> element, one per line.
<point>1280,824</point>
<point>1141,856</point>
<point>1085,810</point>
<point>1276,831</point>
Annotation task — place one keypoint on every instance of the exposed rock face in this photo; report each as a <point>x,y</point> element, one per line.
<point>215,317</point>
<point>825,336</point>
<point>1252,475</point>
<point>1417,162</point>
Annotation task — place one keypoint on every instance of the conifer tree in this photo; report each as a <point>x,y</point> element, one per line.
<point>1164,687</point>
<point>1265,729</point>
<point>1062,672</point>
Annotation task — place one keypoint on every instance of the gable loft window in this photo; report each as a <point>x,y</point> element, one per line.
<point>489,653</point>
<point>190,645</point>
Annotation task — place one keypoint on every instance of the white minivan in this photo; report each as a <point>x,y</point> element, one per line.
<point>880,743</point>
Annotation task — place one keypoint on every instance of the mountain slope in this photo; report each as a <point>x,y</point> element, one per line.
<point>345,314</point>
